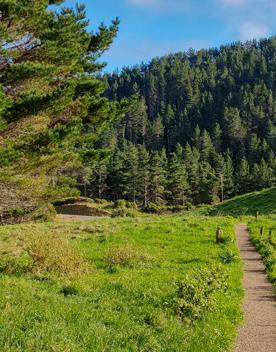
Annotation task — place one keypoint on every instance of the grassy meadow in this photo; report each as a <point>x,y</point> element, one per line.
<point>248,204</point>
<point>151,283</point>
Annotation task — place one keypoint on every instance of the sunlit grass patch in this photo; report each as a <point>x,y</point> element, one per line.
<point>131,308</point>
<point>42,254</point>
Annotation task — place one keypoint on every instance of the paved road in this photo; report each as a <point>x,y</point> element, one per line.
<point>259,331</point>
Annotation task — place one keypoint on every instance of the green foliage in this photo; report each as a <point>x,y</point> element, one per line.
<point>196,291</point>
<point>69,292</point>
<point>155,208</point>
<point>43,254</point>
<point>228,257</point>
<point>262,243</point>
<point>125,256</point>
<point>46,212</point>
<point>124,212</point>
<point>212,103</point>
<point>264,202</point>
<point>50,91</point>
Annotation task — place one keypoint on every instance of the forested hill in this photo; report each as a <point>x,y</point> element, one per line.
<point>214,113</point>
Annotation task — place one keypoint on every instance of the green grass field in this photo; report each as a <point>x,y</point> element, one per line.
<point>145,284</point>
<point>248,204</point>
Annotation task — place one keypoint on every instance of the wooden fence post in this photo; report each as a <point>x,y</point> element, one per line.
<point>218,234</point>
<point>270,236</point>
<point>257,215</point>
<point>261,231</point>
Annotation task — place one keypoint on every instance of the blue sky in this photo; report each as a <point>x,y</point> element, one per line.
<point>151,28</point>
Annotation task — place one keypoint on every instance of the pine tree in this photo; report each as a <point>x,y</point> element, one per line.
<point>208,185</point>
<point>217,137</point>
<point>115,176</point>
<point>228,176</point>
<point>262,176</point>
<point>197,138</point>
<point>48,79</point>
<point>157,184</point>
<point>206,146</point>
<point>143,175</point>
<point>242,177</point>
<point>191,160</point>
<point>130,172</point>
<point>99,178</point>
<point>177,187</point>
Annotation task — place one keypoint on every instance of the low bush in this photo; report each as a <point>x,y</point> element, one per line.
<point>43,254</point>
<point>131,205</point>
<point>51,254</point>
<point>196,291</point>
<point>228,257</point>
<point>124,212</point>
<point>69,291</point>
<point>47,212</point>
<point>120,203</point>
<point>125,256</point>
<point>155,208</point>
<point>268,253</point>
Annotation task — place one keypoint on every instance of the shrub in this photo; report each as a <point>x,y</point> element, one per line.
<point>124,212</point>
<point>101,201</point>
<point>47,212</point>
<point>228,257</point>
<point>69,291</point>
<point>268,254</point>
<point>125,256</point>
<point>42,254</point>
<point>131,205</point>
<point>155,208</point>
<point>51,254</point>
<point>178,208</point>
<point>120,203</point>
<point>196,290</point>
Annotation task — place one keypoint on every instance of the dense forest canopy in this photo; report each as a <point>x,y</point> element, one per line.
<point>200,121</point>
<point>51,103</point>
<point>187,128</point>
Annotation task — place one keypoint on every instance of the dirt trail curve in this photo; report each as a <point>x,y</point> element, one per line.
<point>259,331</point>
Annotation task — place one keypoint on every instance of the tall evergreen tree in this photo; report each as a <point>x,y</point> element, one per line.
<point>177,187</point>
<point>143,176</point>
<point>48,68</point>
<point>158,180</point>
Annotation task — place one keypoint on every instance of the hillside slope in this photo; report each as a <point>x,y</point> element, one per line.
<point>248,204</point>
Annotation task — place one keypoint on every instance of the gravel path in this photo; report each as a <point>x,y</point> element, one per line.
<point>68,217</point>
<point>259,331</point>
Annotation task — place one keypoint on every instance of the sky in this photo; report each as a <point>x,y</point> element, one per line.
<point>151,28</point>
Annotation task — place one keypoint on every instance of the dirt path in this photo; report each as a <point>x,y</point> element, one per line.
<point>259,331</point>
<point>65,217</point>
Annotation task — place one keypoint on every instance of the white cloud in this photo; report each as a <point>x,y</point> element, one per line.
<point>253,30</point>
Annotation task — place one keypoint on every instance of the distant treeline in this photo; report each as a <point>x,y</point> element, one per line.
<point>199,121</point>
